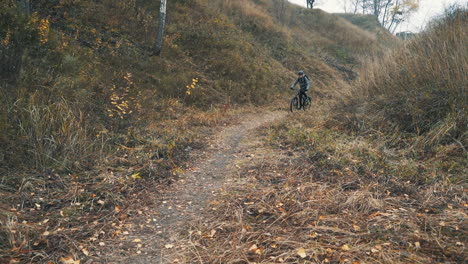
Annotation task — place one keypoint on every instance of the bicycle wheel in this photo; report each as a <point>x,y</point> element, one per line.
<point>307,103</point>
<point>294,104</point>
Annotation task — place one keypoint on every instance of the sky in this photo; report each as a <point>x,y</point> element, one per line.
<point>428,10</point>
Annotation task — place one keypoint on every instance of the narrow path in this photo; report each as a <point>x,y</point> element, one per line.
<point>190,196</point>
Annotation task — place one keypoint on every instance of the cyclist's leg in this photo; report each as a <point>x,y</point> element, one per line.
<point>302,97</point>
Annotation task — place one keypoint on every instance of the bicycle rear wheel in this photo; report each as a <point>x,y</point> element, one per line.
<point>294,104</point>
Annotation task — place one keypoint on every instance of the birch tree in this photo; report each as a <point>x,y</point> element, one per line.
<point>162,23</point>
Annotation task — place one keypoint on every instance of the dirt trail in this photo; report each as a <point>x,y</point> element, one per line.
<point>187,199</point>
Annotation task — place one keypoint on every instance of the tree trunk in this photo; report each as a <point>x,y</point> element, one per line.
<point>162,23</point>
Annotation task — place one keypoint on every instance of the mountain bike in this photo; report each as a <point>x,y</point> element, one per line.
<point>299,102</point>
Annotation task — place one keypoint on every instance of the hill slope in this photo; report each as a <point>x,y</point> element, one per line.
<point>82,97</point>
<point>94,59</point>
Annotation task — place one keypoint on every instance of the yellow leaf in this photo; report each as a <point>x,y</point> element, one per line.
<point>136,240</point>
<point>168,246</point>
<point>136,175</point>
<point>356,228</point>
<point>345,247</point>
<point>301,252</point>
<point>417,244</point>
<point>253,248</point>
<point>69,260</point>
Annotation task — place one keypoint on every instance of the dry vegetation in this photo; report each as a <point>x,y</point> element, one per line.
<point>327,197</point>
<point>417,92</point>
<point>88,117</point>
<point>92,121</point>
<point>380,180</point>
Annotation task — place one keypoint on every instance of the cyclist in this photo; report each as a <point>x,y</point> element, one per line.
<point>304,84</point>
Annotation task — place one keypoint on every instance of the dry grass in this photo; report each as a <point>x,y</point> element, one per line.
<point>419,88</point>
<point>64,153</point>
<point>337,200</point>
<point>53,214</point>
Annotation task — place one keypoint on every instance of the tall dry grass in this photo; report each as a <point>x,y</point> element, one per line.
<point>48,136</point>
<point>419,88</point>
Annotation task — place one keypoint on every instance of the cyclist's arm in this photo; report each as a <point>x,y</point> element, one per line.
<point>308,83</point>
<point>294,84</point>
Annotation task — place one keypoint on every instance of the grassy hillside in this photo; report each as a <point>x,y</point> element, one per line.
<point>381,178</point>
<point>82,96</point>
<point>370,23</point>
<point>93,60</point>
<point>418,91</point>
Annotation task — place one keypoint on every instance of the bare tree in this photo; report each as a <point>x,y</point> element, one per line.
<point>389,12</point>
<point>162,23</point>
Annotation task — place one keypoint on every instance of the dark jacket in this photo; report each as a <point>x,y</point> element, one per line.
<point>304,83</point>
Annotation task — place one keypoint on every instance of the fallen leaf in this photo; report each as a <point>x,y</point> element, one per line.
<point>46,233</point>
<point>345,247</point>
<point>168,246</point>
<point>301,252</point>
<point>136,240</point>
<point>417,244</point>
<point>136,175</point>
<point>85,251</point>
<point>69,260</point>
<point>356,228</point>
<point>253,247</point>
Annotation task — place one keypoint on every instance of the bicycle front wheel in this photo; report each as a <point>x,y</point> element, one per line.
<point>307,103</point>
<point>294,104</point>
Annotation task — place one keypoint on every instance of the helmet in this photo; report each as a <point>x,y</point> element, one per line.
<point>300,73</point>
